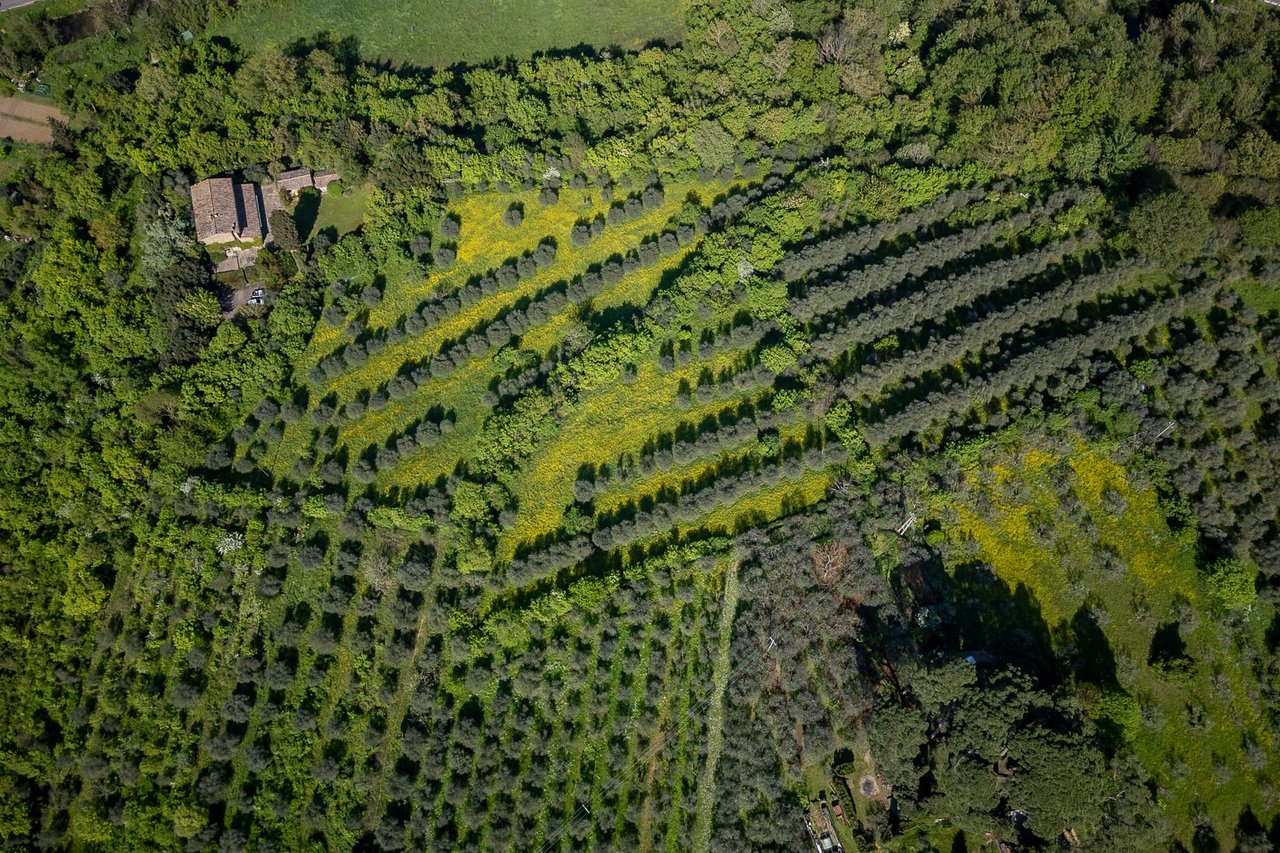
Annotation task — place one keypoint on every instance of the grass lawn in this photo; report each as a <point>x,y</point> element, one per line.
<point>444,32</point>
<point>343,213</point>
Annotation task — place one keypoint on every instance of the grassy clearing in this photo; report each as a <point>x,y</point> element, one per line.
<point>1044,520</point>
<point>706,796</point>
<point>343,213</point>
<point>444,32</point>
<point>617,420</point>
<point>485,243</point>
<point>1262,298</point>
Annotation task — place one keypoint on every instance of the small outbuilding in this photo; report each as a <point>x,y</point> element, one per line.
<point>295,181</point>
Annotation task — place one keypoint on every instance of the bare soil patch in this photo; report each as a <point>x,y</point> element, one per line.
<point>30,110</point>
<point>24,131</point>
<point>27,121</point>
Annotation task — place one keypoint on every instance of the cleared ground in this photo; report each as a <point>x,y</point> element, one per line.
<point>444,32</point>
<point>27,121</point>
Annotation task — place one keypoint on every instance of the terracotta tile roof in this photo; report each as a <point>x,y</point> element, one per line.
<point>325,177</point>
<point>294,180</point>
<point>250,212</point>
<point>214,204</point>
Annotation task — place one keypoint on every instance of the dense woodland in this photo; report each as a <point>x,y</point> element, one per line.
<point>874,399</point>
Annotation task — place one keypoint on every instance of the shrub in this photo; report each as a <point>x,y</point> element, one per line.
<point>507,276</point>
<point>450,227</point>
<point>548,197</point>
<point>219,456</point>
<point>444,257</point>
<point>266,410</point>
<point>514,215</point>
<point>1171,227</point>
<point>269,585</point>
<point>310,557</point>
<point>371,296</point>
<point>545,254</point>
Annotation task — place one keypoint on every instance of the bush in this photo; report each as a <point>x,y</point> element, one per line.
<point>1171,227</point>
<point>362,472</point>
<point>445,257</point>
<point>284,231</point>
<point>450,227</point>
<point>310,557</point>
<point>1261,228</point>
<point>548,197</point>
<point>266,410</point>
<point>371,296</point>
<point>219,456</point>
<point>514,215</point>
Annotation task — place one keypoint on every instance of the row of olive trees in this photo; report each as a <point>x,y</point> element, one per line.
<point>1036,307</point>
<point>937,298</point>
<point>675,509</point>
<point>832,297</point>
<point>838,249</point>
<point>434,311</point>
<point>1021,371</point>
<point>683,445</point>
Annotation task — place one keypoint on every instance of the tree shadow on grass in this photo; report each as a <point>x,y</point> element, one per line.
<point>306,213</point>
<point>979,616</point>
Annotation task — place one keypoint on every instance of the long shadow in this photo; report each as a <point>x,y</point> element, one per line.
<point>306,213</point>
<point>978,616</point>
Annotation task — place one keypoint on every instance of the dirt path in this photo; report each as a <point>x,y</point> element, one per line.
<point>720,672</point>
<point>646,815</point>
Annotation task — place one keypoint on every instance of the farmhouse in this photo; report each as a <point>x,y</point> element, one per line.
<point>227,212</point>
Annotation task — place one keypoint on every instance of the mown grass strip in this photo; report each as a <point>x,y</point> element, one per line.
<point>704,807</point>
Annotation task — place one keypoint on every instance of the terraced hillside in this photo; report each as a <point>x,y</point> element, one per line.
<point>716,425</point>
<point>497,502</point>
